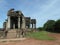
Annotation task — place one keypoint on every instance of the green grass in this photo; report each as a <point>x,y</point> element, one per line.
<point>43,35</point>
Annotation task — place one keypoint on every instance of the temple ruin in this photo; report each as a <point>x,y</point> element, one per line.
<point>16,20</point>
<point>17,24</point>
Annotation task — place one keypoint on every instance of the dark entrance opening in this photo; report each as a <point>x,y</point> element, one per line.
<point>14,21</point>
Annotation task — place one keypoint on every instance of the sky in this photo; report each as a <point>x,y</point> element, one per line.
<point>41,10</point>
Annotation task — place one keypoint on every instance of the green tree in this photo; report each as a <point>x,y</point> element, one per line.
<point>49,25</point>
<point>57,26</point>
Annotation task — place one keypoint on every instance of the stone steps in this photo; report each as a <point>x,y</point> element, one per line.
<point>11,33</point>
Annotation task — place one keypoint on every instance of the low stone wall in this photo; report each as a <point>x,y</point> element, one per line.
<point>13,33</point>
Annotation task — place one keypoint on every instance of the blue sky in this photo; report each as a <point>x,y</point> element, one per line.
<point>41,10</point>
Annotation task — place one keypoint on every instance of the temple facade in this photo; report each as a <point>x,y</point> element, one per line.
<point>17,25</point>
<point>17,20</point>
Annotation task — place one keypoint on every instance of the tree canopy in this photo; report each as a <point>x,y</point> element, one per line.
<point>49,25</point>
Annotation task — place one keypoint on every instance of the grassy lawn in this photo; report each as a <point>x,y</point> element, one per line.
<point>43,35</point>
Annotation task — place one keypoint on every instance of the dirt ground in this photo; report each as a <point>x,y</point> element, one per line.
<point>35,42</point>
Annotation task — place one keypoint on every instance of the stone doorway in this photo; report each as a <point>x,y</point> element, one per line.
<point>14,22</point>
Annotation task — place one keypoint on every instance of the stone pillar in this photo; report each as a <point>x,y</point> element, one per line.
<point>18,31</point>
<point>6,25</point>
<point>8,22</point>
<point>23,23</point>
<point>13,26</point>
<point>19,22</point>
<point>35,26</point>
<point>32,25</point>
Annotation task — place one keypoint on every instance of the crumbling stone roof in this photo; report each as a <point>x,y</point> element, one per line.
<point>11,12</point>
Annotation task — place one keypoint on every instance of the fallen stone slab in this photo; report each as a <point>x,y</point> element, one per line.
<point>15,39</point>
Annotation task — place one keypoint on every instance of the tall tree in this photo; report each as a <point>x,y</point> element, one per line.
<point>57,26</point>
<point>49,25</point>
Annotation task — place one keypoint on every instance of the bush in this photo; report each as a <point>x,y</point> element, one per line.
<point>40,29</point>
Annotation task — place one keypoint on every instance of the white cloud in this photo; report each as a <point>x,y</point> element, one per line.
<point>41,10</point>
<point>47,11</point>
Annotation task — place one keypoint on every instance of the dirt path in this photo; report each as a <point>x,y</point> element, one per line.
<point>35,42</point>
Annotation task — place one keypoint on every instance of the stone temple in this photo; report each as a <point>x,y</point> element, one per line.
<point>17,20</point>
